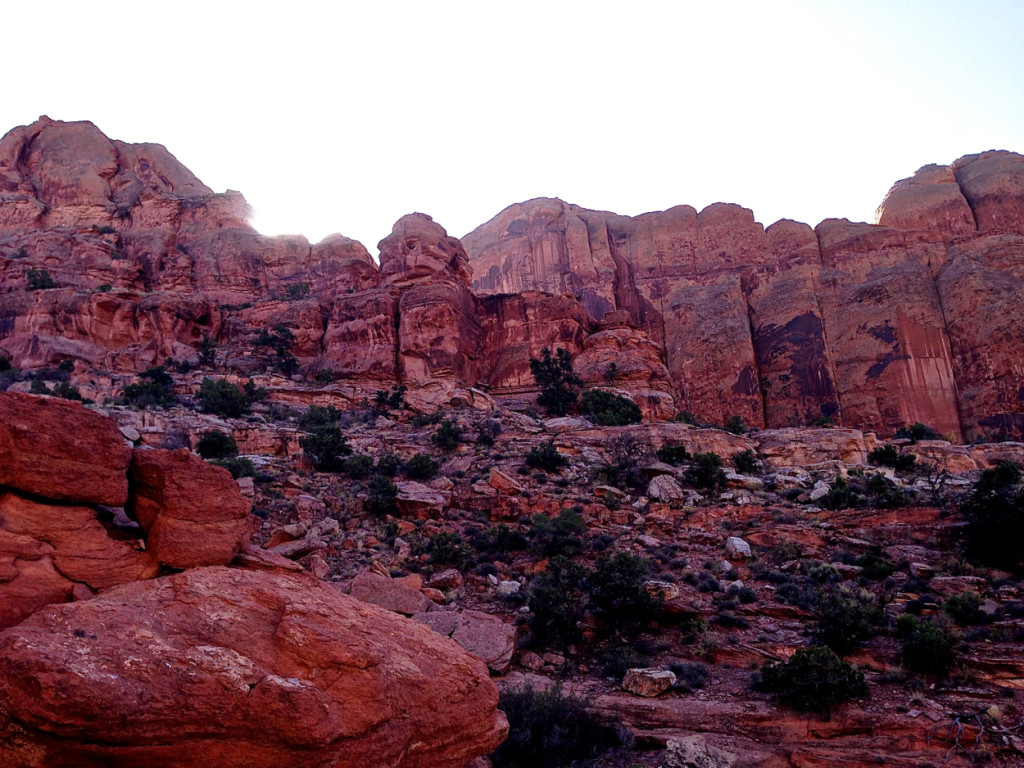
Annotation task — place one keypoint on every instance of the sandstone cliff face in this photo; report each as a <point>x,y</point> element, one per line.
<point>874,326</point>
<point>871,326</point>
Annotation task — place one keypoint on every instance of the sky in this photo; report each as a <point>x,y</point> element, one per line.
<point>344,116</point>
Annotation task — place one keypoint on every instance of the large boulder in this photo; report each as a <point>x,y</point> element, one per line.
<point>193,512</point>
<point>61,451</point>
<point>238,669</point>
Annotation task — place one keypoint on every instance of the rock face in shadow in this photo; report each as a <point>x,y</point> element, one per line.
<point>239,668</point>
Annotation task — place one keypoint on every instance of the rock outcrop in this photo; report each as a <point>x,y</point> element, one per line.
<point>238,668</point>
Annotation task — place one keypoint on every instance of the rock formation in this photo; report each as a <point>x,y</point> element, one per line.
<point>911,319</point>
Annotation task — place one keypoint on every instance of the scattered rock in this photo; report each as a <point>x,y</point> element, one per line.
<point>389,593</point>
<point>737,548</point>
<point>648,682</point>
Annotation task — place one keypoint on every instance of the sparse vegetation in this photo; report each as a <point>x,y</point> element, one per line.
<point>995,517</point>
<point>812,680</point>
<point>559,385</point>
<point>217,445</point>
<point>154,389</point>
<point>327,447</point>
<point>705,471</point>
<point>227,400</point>
<point>279,339</point>
<point>890,456</point>
<point>38,280</point>
<point>447,436</point>
<point>607,409</point>
<point>545,457</point>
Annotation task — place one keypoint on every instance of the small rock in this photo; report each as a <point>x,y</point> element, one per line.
<point>695,752</point>
<point>648,682</point>
<point>509,588</point>
<point>737,548</point>
<point>665,488</point>
<point>434,595</point>
<point>531,661</point>
<point>484,488</point>
<point>819,491</point>
<point>502,482</point>
<point>648,541</point>
<point>601,491</point>
<point>449,578</point>
<point>130,434</point>
<point>921,570</point>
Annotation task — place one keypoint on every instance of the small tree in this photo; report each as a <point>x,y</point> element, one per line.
<point>380,496</point>
<point>846,618</point>
<point>279,339</point>
<point>736,425</point>
<point>217,445</point>
<point>39,280</point>
<point>545,457</point>
<point>207,352</point>
<point>556,602</point>
<point>705,471</point>
<point>227,400</point>
<point>447,436</point>
<point>326,446</point>
<point>995,517</point>
<point>559,385</point>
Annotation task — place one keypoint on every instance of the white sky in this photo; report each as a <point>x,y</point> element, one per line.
<point>342,117</point>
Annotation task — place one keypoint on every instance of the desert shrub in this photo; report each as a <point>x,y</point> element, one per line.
<point>890,456</point>
<point>687,417</point>
<point>705,471</point>
<point>279,340</point>
<point>628,455</point>
<point>995,517</point>
<point>327,447</point>
<point>560,535</point>
<point>610,410</point>
<point>358,466</point>
<point>5,364</point>
<point>238,467</point>
<point>154,389</point>
<point>884,493</point>
<point>38,387</point>
<point>876,566</point>
<point>744,594</point>
<point>104,288</point>
<point>736,425</point>
<point>388,465</point>
<point>380,496</point>
<point>545,457</point>
<point>918,431</point>
<point>673,454</point>
<point>207,352</point>
<point>217,445</point>
<point>846,618</point>
<point>841,495</point>
<point>391,401</point>
<point>813,680</point>
<point>500,540</point>
<point>706,582</point>
<point>448,548</point>
<point>617,661</point>
<point>426,419</point>
<point>964,609</point>
<point>420,467</point>
<point>39,280</point>
<point>226,399</point>
<point>559,385</point>
<point>319,416</point>
<point>447,436</point>
<point>550,729</point>
<point>928,646</point>
<point>616,588</point>
<point>556,604</point>
<point>487,431</point>
<point>690,675</point>
<point>746,462</point>
<point>296,291</point>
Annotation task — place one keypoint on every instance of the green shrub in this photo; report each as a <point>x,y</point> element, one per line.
<point>673,454</point>
<point>746,462</point>
<point>296,291</point>
<point>608,409</point>
<point>207,351</point>
<point>890,456</point>
<point>876,566</point>
<point>391,401</point>
<point>840,495</point>
<point>846,618</point>
<point>279,339</point>
<point>357,467</point>
<point>5,364</point>
<point>885,494</point>
<point>549,729</point>
<point>319,416</point>
<point>705,471</point>
<point>559,385</point>
<point>929,647</point>
<point>238,467</point>
<point>388,465</point>
<point>38,387</point>
<point>687,417</point>
<point>447,436</point>
<point>690,675</point>
<point>616,589</point>
<point>545,457</point>
<point>327,447</point>
<point>628,456</point>
<point>918,431</point>
<point>448,548</point>
<point>736,425</point>
<point>501,540</point>
<point>556,604</point>
<point>227,400</point>
<point>39,280</point>
<point>560,535</point>
<point>380,498</point>
<point>420,467</point>
<point>155,389</point>
<point>995,517</point>
<point>104,288</point>
<point>964,609</point>
<point>618,660</point>
<point>813,680</point>
<point>217,445</point>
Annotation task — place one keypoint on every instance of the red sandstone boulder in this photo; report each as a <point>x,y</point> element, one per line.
<point>49,553</point>
<point>238,669</point>
<point>59,450</point>
<point>193,512</point>
<point>418,250</point>
<point>931,199</point>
